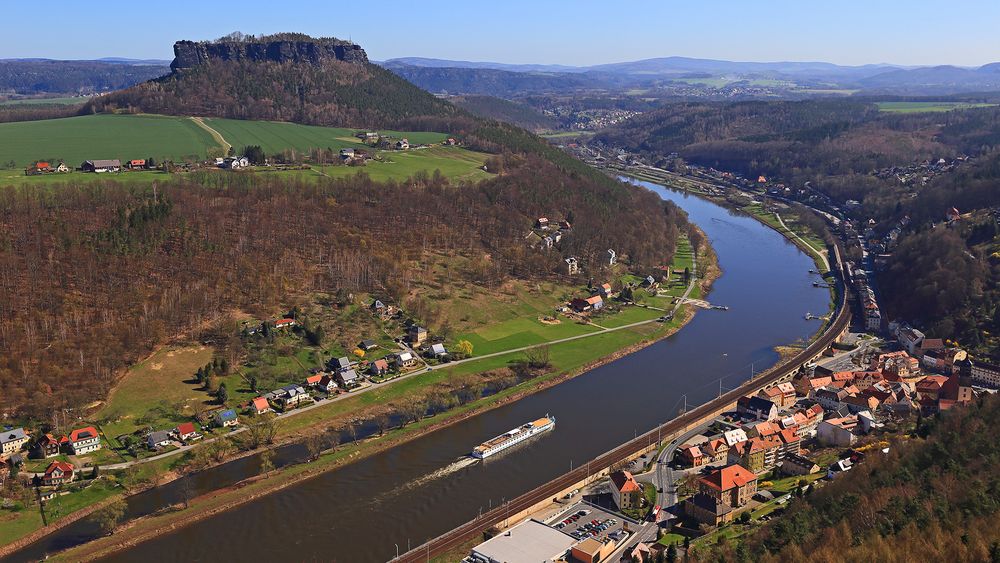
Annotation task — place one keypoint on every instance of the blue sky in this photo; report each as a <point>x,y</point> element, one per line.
<point>580,32</point>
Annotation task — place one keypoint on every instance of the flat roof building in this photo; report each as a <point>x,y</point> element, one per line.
<point>530,540</point>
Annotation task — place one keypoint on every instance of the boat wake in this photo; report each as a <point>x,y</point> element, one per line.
<point>445,471</point>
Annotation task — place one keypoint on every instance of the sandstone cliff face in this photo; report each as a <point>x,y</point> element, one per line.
<point>188,54</point>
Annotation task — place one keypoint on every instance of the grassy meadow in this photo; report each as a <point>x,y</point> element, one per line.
<point>274,136</point>
<point>926,107</point>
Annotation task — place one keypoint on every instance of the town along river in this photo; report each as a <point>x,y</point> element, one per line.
<point>420,489</point>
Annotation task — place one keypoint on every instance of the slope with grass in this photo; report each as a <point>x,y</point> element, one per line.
<point>106,136</point>
<point>275,136</point>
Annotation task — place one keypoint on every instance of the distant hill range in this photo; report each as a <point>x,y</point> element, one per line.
<point>507,80</point>
<point>46,76</point>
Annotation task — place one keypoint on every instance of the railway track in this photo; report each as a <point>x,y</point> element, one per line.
<point>467,531</point>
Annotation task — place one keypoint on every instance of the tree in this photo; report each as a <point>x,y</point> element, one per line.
<point>266,458</point>
<point>313,446</point>
<point>382,422</point>
<point>186,490</point>
<point>464,347</point>
<point>334,439</point>
<point>222,394</point>
<point>95,472</point>
<point>261,430</point>
<point>672,553</point>
<point>538,357</point>
<point>108,517</point>
<point>745,517</point>
<point>130,478</point>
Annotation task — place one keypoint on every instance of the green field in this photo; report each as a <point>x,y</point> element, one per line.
<point>75,139</point>
<point>273,136</point>
<point>44,101</point>
<point>926,107</point>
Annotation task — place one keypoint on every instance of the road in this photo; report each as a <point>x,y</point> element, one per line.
<point>426,368</point>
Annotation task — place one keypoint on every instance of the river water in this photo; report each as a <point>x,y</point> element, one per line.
<point>420,489</point>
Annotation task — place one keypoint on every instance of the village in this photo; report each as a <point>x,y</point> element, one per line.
<point>254,157</point>
<point>739,470</point>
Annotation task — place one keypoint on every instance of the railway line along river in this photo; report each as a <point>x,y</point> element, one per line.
<point>417,490</point>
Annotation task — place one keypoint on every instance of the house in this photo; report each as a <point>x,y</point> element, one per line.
<point>733,484</point>
<point>909,338</point>
<point>830,397</point>
<point>985,374</point>
<point>450,141</point>
<point>346,154</point>
<point>438,350</point>
<point>186,431</point>
<point>692,456</point>
<point>417,335</point>
<point>113,165</point>
<point>542,223</point>
<point>235,162</point>
<point>284,323</point>
<point>756,454</point>
<point>38,168</point>
<point>158,439</point>
<point>11,441</point>
<point>367,345</point>
<point>378,309</point>
<point>47,446</point>
<point>952,215</point>
<point>259,406</point>
<point>930,387</point>
<point>378,367</point>
<point>313,380</point>
<point>57,473</point>
<point>84,440</point>
<point>572,266</point>
<point>62,168</point>
<point>137,164</point>
<point>715,450</point>
<point>591,549</point>
<point>341,363</point>
<point>650,281</point>
<point>734,436</point>
<point>782,394</point>
<point>592,303</point>
<point>625,490</point>
<point>327,384</point>
<point>226,418</point>
<point>795,464</point>
<point>756,408</point>
<point>858,403</point>
<point>291,396</point>
<point>708,509</point>
<point>604,290</point>
<point>402,144</point>
<point>348,378</point>
<point>402,360</point>
<point>837,431</point>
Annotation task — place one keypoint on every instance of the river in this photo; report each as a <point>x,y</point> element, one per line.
<point>417,490</point>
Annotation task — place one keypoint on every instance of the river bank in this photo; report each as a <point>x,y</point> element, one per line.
<point>253,488</point>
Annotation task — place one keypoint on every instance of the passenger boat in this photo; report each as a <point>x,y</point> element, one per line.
<point>512,437</point>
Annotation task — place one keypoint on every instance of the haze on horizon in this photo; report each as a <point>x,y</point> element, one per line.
<point>579,33</point>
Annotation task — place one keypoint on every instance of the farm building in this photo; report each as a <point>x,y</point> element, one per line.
<point>113,165</point>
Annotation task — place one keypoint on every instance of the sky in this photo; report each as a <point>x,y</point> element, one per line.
<point>581,32</point>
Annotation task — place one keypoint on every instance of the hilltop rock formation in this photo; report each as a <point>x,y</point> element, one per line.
<point>188,54</point>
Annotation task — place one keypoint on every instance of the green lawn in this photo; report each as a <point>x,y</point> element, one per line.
<point>132,406</point>
<point>926,107</point>
<point>275,136</point>
<point>68,101</point>
<point>16,524</point>
<point>106,136</point>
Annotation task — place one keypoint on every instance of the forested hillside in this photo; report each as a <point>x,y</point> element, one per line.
<point>94,276</point>
<point>943,279</point>
<point>72,77</point>
<point>489,107</point>
<point>934,497</point>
